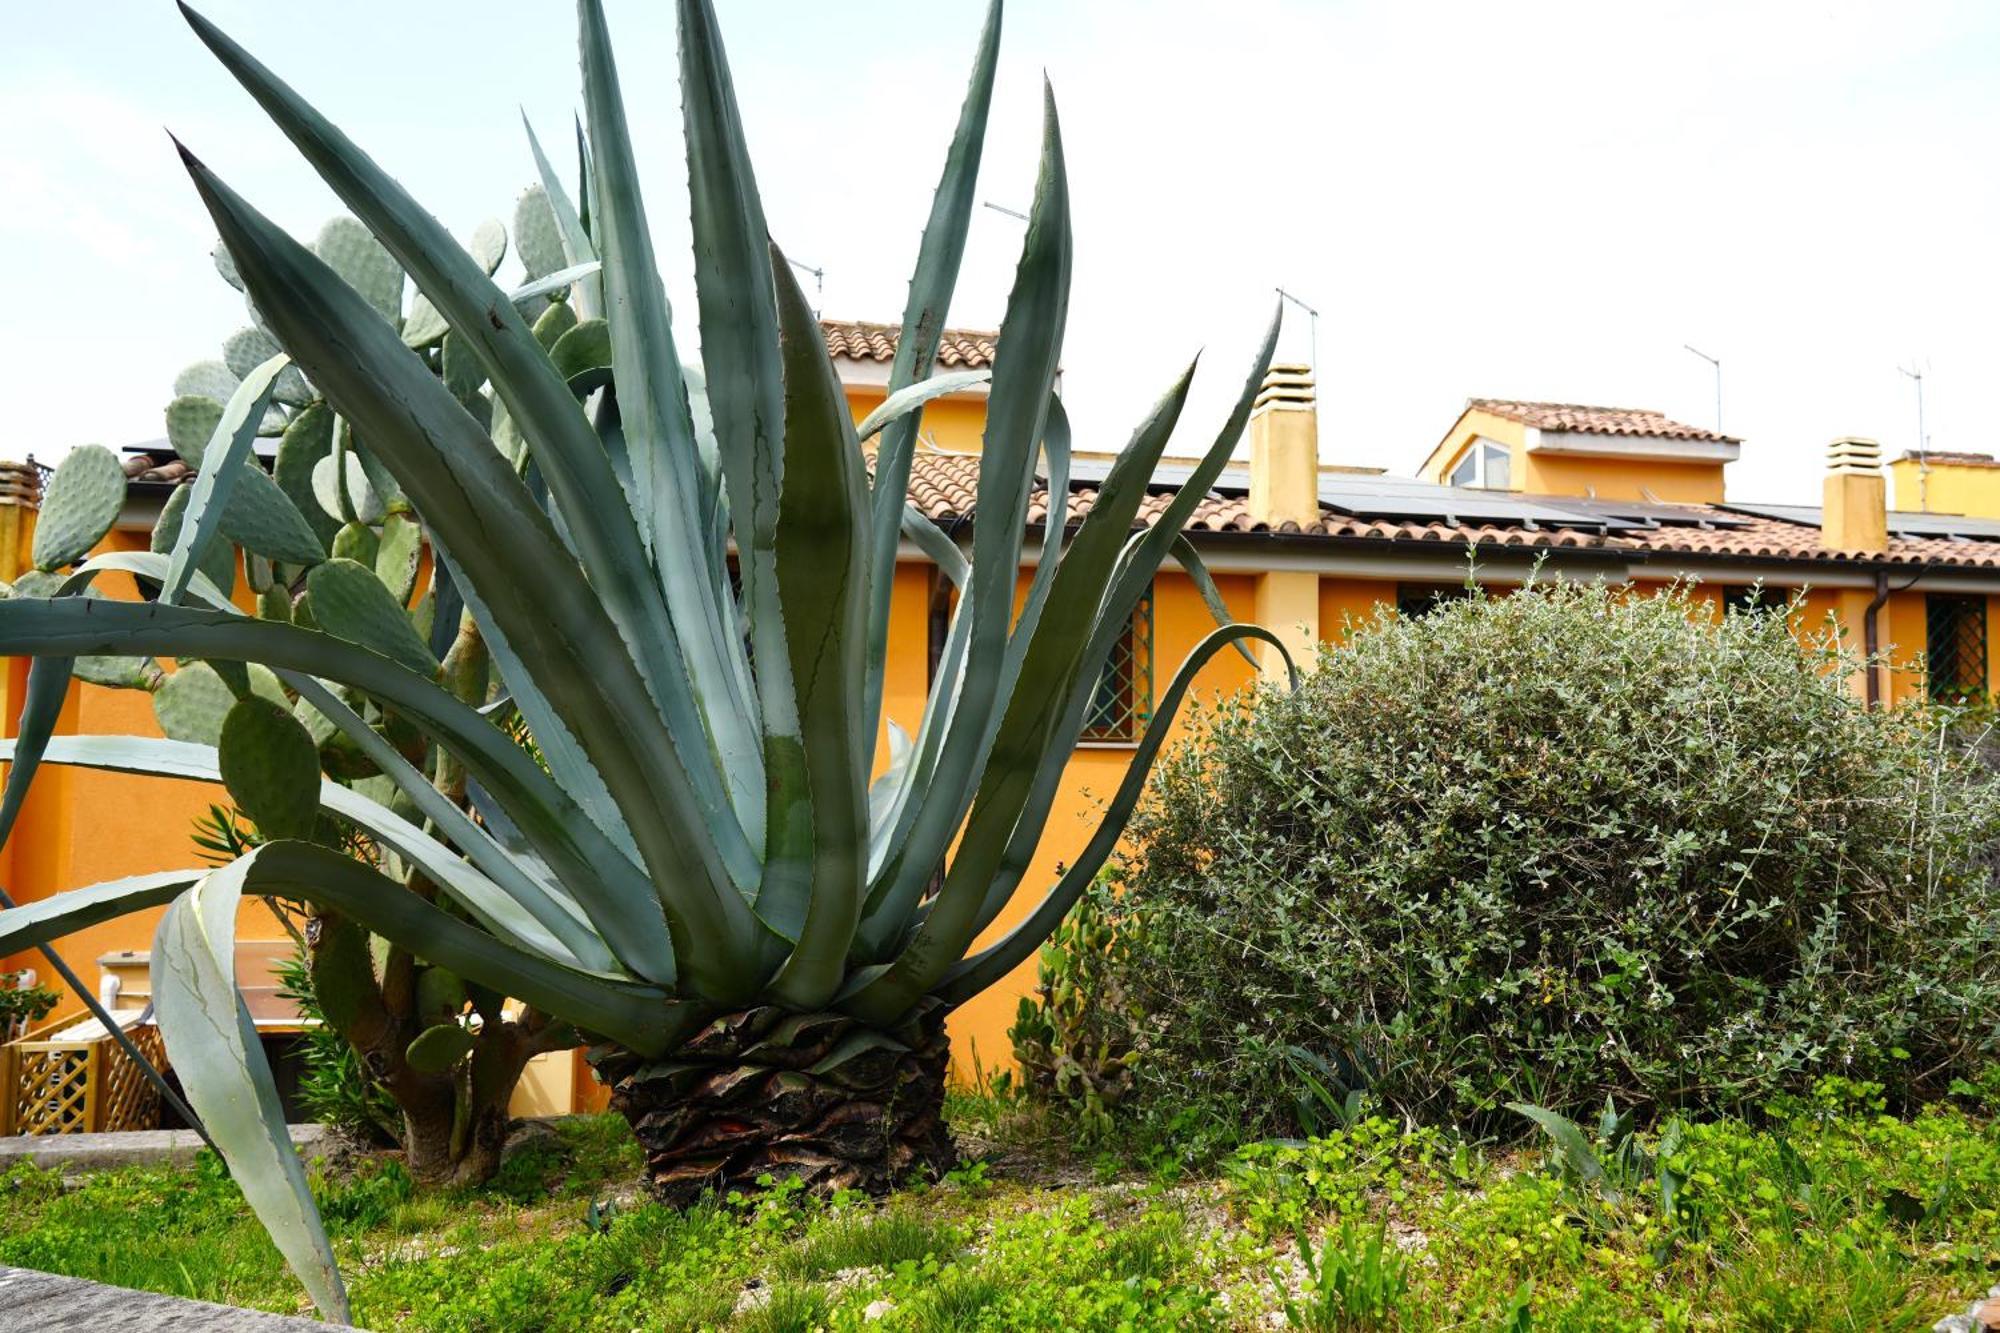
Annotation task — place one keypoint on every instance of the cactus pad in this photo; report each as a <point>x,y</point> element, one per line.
<point>271,767</point>
<point>349,602</point>
<point>356,542</point>
<point>225,264</point>
<point>35,583</point>
<point>398,554</point>
<point>438,1049</point>
<point>218,561</point>
<point>489,245</point>
<point>191,703</point>
<point>79,506</point>
<point>583,355</point>
<point>440,994</point>
<point>362,262</point>
<point>191,421</point>
<point>367,505</point>
<point>463,374</point>
<point>557,320</point>
<point>537,241</point>
<point>209,379</point>
<point>425,325</point>
<point>247,349</point>
<point>307,440</point>
<point>118,673</point>
<point>259,518</point>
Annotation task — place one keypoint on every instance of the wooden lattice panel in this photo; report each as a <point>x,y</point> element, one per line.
<point>56,1085</point>
<point>128,1100</point>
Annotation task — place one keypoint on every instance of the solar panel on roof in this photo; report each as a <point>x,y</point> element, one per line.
<point>1956,527</point>
<point>1397,497</point>
<point>1648,514</point>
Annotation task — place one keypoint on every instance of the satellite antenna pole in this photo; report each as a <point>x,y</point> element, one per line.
<point>1013,213</point>
<point>1312,321</point>
<point>1923,445</point>
<point>1717,363</point>
<point>819,281</point>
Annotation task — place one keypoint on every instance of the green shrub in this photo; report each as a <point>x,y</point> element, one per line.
<point>1549,848</point>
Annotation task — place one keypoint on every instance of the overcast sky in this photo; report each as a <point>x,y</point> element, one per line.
<point>1527,200</point>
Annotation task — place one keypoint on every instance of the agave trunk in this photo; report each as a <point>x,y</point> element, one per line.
<point>823,1097</point>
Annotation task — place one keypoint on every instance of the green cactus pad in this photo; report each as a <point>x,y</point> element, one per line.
<point>271,768</point>
<point>489,245</point>
<point>225,264</point>
<point>380,479</point>
<point>398,554</point>
<point>191,703</point>
<point>440,994</point>
<point>537,240</point>
<point>583,355</point>
<point>79,505</point>
<point>35,583</point>
<point>307,440</point>
<point>274,603</point>
<point>463,374</point>
<point>349,602</point>
<point>246,349</point>
<point>438,1049</point>
<point>557,320</point>
<point>352,251</point>
<point>207,379</point>
<point>118,673</point>
<point>218,561</point>
<point>356,542</point>
<point>506,435</point>
<point>191,420</point>
<point>293,389</point>
<point>367,505</point>
<point>259,518</point>
<point>425,325</point>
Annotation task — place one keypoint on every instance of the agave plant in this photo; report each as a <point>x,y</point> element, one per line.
<point>688,610</point>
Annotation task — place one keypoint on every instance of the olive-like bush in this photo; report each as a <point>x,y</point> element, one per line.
<point>1551,847</point>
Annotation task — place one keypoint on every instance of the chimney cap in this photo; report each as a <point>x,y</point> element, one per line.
<point>1287,384</point>
<point>1854,453</point>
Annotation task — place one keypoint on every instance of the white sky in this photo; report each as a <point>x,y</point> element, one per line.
<point>1531,200</point>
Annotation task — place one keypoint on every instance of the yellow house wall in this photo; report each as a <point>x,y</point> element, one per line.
<point>1951,488</point>
<point>955,424</point>
<point>1537,473</point>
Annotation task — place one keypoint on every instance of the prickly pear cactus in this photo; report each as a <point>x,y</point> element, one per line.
<point>437,1049</point>
<point>489,245</point>
<point>191,420</point>
<point>362,262</point>
<point>79,505</point>
<point>398,555</point>
<point>537,239</point>
<point>191,703</point>
<point>218,562</point>
<point>349,602</point>
<point>271,767</point>
<point>207,379</point>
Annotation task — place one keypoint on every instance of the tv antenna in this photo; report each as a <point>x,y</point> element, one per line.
<point>1717,363</point>
<point>1312,323</point>
<point>1923,443</point>
<point>818,276</point>
<point>1013,213</point>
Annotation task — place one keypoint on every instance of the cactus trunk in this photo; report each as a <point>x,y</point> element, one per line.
<point>763,1093</point>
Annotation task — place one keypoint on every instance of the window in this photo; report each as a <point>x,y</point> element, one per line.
<point>1417,600</point>
<point>1955,646</point>
<point>1123,703</point>
<point>1742,598</point>
<point>1485,464</point>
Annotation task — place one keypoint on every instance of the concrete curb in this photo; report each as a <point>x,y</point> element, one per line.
<point>32,1302</point>
<point>141,1147</point>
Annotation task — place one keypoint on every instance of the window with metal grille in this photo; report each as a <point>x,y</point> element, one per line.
<point>1417,600</point>
<point>1955,646</point>
<point>1123,703</point>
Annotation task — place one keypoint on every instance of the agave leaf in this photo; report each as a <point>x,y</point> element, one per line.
<point>1577,1155</point>
<point>936,544</point>
<point>215,1050</point>
<point>567,451</point>
<point>1045,650</point>
<point>218,566</point>
<point>745,396</point>
<point>465,491</point>
<point>554,282</point>
<point>963,980</point>
<point>1017,413</point>
<point>931,285</point>
<point>911,397</point>
<point>568,841</point>
<point>65,913</point>
<point>1191,562</point>
<point>822,580</point>
<point>223,460</point>
<point>576,243</point>
<point>516,916</point>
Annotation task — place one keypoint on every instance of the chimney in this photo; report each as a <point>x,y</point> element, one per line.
<point>1284,449</point>
<point>1284,489</point>
<point>1854,516</point>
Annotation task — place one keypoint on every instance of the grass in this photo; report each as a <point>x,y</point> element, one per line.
<point>1826,1214</point>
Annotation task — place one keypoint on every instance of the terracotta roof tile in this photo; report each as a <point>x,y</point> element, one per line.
<point>1957,459</point>
<point>860,340</point>
<point>142,468</point>
<point>945,487</point>
<point>1598,420</point>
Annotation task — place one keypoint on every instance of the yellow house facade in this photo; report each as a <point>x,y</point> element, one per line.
<point>1306,548</point>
